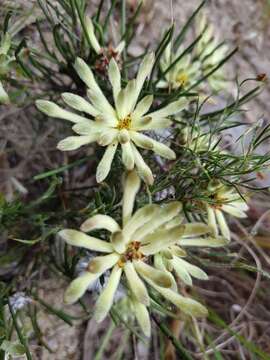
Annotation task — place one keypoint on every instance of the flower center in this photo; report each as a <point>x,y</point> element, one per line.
<point>124,123</point>
<point>132,253</point>
<point>182,78</point>
<point>220,200</point>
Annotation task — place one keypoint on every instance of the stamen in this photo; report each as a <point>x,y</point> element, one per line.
<point>132,253</point>
<point>182,78</point>
<point>124,123</point>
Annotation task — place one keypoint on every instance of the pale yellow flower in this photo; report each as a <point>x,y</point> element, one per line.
<point>226,200</point>
<point>121,125</point>
<point>182,74</point>
<point>151,231</point>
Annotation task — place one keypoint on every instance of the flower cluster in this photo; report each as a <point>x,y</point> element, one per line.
<point>147,249</point>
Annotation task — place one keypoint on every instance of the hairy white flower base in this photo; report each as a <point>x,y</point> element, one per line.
<point>145,249</point>
<point>122,125</point>
<point>228,201</point>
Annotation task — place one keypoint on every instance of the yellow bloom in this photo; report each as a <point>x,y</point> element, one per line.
<point>182,74</point>
<point>152,231</point>
<point>111,126</point>
<point>226,200</point>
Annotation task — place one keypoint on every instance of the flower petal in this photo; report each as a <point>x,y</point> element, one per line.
<point>147,123</point>
<point>225,231</point>
<point>161,239</point>
<point>185,269</point>
<point>136,285</point>
<point>144,71</point>
<point>162,84</point>
<point>177,220</point>
<point>104,166</point>
<point>127,156</point>
<point>100,221</point>
<point>187,305</point>
<point>75,142</point>
<point>131,187</point>
<point>88,127</point>
<point>90,31</point>
<point>207,242</point>
<point>177,251</point>
<point>100,264</point>
<point>78,287</point>
<point>234,210</point>
<point>107,136</point>
<point>141,216</point>
<point>166,213</point>
<point>120,47</point>
<point>123,136</point>
<point>148,272</point>
<point>142,140</point>
<point>96,95</point>
<point>163,150</point>
<point>142,317</point>
<point>125,100</point>
<point>105,300</point>
<point>79,239</point>
<point>108,116</point>
<point>115,78</point>
<point>193,270</point>
<point>212,220</point>
<point>196,229</point>
<point>142,107</point>
<point>240,204</point>
<point>79,103</point>
<point>118,241</point>
<point>181,271</point>
<point>144,171</point>
<point>171,109</point>
<point>159,264</point>
<point>51,109</point>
